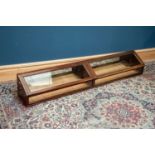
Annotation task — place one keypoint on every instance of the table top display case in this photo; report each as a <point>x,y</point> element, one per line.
<point>40,85</point>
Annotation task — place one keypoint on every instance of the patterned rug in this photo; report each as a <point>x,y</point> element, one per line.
<point>128,103</point>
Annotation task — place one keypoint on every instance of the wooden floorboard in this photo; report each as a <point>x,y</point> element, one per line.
<point>9,73</point>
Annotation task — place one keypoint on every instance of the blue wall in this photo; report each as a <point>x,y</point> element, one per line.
<point>29,44</point>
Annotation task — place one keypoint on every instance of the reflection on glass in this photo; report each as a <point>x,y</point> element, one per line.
<point>42,79</point>
<point>104,62</point>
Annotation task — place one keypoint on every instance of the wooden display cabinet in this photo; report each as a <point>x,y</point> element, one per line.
<point>44,84</point>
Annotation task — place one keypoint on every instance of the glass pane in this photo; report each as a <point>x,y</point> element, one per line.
<point>54,78</point>
<point>109,65</point>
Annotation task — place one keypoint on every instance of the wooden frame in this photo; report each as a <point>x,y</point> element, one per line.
<point>126,64</point>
